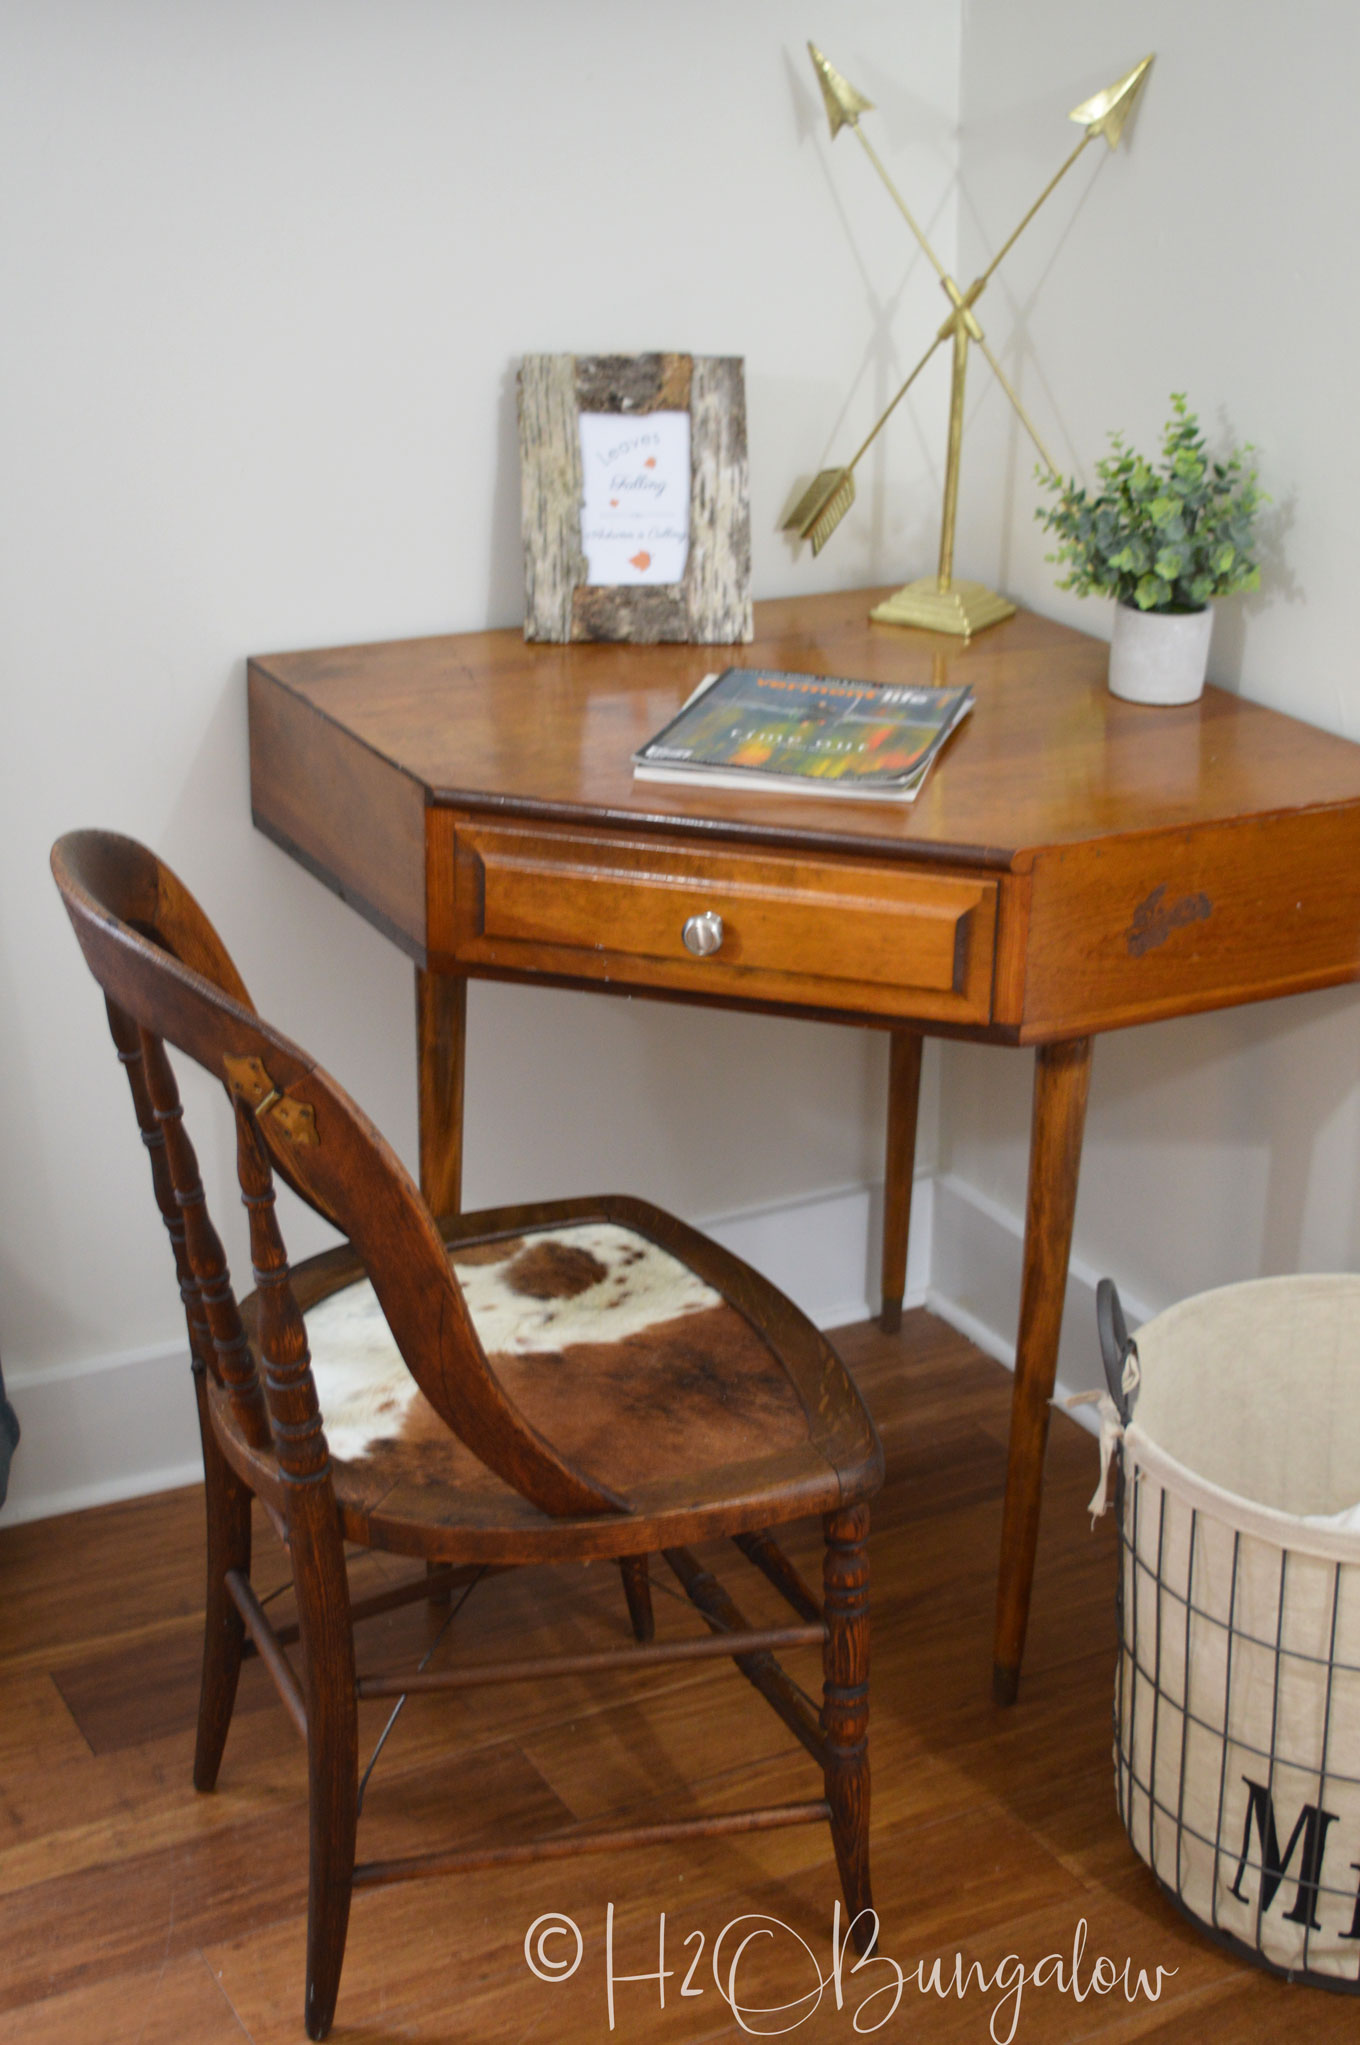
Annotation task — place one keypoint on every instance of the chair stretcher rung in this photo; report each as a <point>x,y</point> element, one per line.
<point>267,1642</point>
<point>375,1873</point>
<point>416,1589</point>
<point>396,1684</point>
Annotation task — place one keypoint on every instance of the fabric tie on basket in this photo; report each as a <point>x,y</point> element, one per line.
<point>1347,1521</point>
<point>1111,1429</point>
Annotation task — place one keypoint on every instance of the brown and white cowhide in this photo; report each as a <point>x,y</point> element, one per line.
<point>593,1299</point>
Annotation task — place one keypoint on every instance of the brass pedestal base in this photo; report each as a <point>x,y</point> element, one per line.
<point>963,608</point>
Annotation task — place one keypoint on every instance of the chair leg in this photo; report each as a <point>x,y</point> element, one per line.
<point>332,1784</point>
<point>637,1588</point>
<point>845,1708</point>
<point>224,1633</point>
<point>332,1763</point>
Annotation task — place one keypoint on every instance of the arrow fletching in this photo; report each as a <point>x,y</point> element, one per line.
<point>821,507</point>
<point>1106,113</point>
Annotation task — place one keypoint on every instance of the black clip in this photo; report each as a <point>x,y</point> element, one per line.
<point>1116,1347</point>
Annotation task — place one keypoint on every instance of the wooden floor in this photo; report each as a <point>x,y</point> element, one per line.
<point>133,1911</point>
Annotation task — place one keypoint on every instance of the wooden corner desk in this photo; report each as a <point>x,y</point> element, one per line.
<point>1073,864</point>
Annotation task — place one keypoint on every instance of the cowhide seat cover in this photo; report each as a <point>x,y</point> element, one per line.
<point>554,1310</point>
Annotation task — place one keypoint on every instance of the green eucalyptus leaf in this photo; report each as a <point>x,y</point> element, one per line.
<point>1176,532</point>
<point>1152,593</point>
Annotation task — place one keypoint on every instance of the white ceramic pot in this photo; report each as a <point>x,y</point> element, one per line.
<point>1159,656</point>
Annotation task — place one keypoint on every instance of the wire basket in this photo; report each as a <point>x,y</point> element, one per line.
<point>1237,1695</point>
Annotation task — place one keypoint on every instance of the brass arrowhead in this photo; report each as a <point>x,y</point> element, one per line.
<point>821,507</point>
<point>1105,113</point>
<point>843,104</point>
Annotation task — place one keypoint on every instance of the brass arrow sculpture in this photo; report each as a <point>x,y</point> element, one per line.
<point>938,602</point>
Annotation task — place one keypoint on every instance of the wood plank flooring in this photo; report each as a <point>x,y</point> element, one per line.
<point>133,1911</point>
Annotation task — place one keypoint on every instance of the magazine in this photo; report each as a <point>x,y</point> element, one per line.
<point>809,734</point>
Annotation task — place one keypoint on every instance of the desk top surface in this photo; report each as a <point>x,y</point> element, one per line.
<point>1048,757</point>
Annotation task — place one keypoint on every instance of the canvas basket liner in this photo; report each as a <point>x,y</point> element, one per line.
<point>1237,1697</point>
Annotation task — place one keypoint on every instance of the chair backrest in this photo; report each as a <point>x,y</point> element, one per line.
<point>167,978</point>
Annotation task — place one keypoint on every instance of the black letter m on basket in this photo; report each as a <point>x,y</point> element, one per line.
<point>1312,1823</point>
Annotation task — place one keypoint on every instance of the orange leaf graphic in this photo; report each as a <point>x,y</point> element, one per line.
<point>613,504</point>
<point>640,560</point>
<point>650,462</point>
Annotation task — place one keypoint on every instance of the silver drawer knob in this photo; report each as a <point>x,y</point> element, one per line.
<point>703,934</point>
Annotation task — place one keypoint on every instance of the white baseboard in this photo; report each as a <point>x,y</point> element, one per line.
<point>976,1265</point>
<point>105,1428</point>
<point>116,1427</point>
<point>824,1250</point>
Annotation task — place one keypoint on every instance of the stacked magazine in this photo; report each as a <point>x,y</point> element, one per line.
<point>805,734</point>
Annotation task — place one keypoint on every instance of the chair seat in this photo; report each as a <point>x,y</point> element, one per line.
<point>638,1367</point>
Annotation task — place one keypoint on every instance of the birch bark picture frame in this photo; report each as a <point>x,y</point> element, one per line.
<point>604,444</point>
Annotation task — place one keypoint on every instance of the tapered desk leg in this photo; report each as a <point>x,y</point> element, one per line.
<point>441,1037</point>
<point>1062,1074</point>
<point>441,1032</point>
<point>904,1093</point>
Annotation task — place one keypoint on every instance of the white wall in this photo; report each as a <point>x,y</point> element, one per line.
<point>1209,254</point>
<point>267,271</point>
<point>268,265</point>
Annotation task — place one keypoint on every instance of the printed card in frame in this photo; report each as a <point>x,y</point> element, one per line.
<point>635,505</point>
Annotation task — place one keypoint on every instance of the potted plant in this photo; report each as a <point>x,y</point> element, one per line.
<point>1163,542</point>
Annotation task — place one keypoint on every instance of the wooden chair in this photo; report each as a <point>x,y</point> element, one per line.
<point>584,1379</point>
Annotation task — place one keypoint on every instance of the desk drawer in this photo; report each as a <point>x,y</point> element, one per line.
<point>826,933</point>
